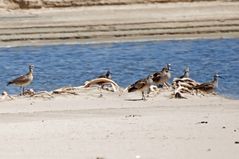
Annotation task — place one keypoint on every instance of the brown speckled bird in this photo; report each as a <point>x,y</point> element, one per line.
<point>208,87</point>
<point>161,78</point>
<point>23,80</point>
<point>141,85</point>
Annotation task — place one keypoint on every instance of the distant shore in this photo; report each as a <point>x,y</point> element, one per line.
<point>135,22</point>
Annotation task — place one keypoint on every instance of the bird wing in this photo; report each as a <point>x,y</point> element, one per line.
<point>139,84</point>
<point>157,76</point>
<point>20,80</point>
<point>182,76</point>
<point>204,86</point>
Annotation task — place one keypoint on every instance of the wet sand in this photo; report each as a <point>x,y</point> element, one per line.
<point>137,22</point>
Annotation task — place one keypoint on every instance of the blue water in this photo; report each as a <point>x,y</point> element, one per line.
<point>71,65</point>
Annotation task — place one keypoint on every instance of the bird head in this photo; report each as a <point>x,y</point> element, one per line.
<point>186,70</point>
<point>31,67</point>
<point>216,76</point>
<point>150,79</point>
<point>169,67</point>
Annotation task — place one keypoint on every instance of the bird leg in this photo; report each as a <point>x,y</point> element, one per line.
<point>23,91</point>
<point>167,85</point>
<point>143,96</point>
<point>100,89</point>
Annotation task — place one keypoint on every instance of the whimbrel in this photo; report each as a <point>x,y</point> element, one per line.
<point>23,80</point>
<point>186,73</point>
<point>161,78</point>
<point>208,87</point>
<point>141,85</point>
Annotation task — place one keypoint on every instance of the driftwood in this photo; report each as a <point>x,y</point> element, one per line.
<point>102,82</point>
<point>183,86</point>
<point>42,94</point>
<point>29,92</point>
<point>67,90</point>
<point>5,96</point>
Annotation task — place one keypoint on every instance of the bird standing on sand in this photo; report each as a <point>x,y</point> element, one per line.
<point>161,78</point>
<point>141,85</point>
<point>23,80</point>
<point>186,73</point>
<point>208,87</point>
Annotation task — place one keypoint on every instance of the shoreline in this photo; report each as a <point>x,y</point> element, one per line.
<point>102,42</point>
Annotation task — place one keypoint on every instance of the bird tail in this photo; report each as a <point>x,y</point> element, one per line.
<point>9,83</point>
<point>131,88</point>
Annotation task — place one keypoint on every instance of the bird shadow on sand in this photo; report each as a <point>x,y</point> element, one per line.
<point>132,100</point>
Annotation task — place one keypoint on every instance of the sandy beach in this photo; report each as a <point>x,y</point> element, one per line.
<point>118,126</point>
<point>113,126</point>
